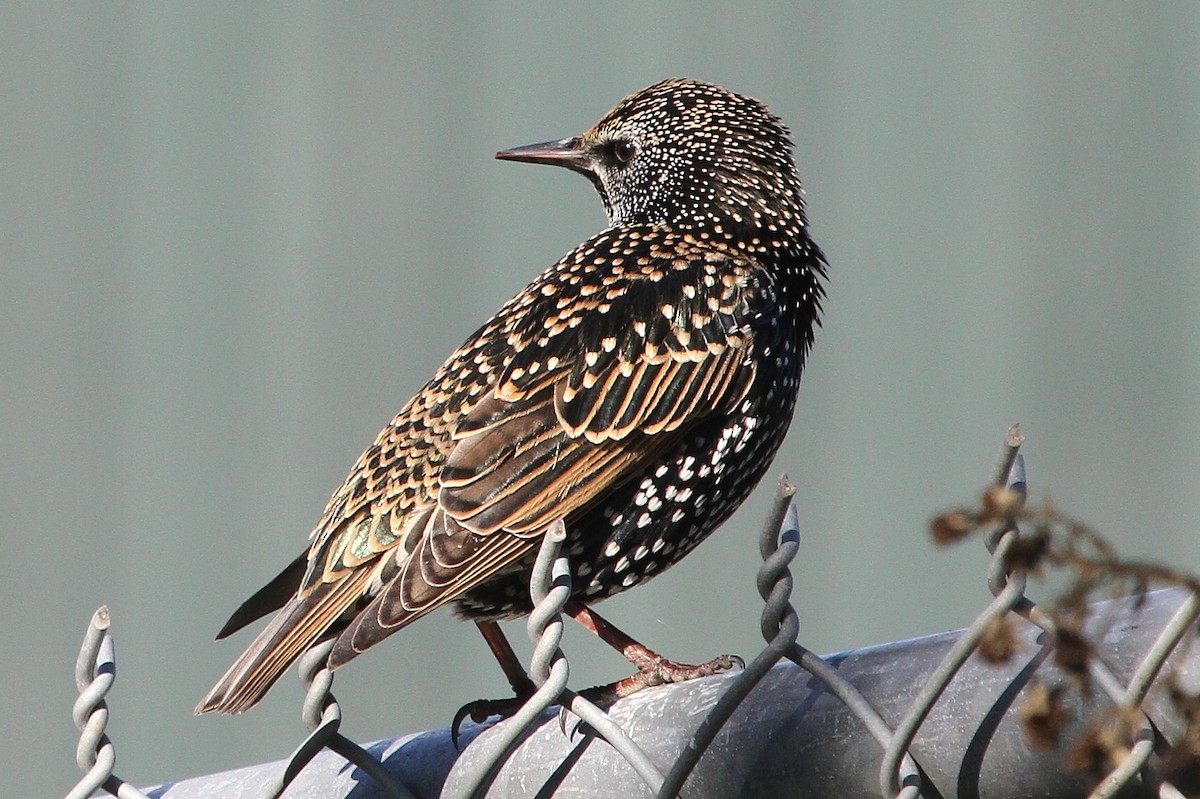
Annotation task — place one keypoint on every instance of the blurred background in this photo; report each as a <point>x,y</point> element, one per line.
<point>235,238</point>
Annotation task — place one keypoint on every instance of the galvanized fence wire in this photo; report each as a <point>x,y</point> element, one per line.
<point>1005,599</point>
<point>775,587</point>
<point>550,588</point>
<point>323,716</point>
<point>1008,584</point>
<point>95,671</point>
<point>779,543</point>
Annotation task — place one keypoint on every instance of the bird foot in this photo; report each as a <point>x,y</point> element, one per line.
<point>481,710</point>
<point>657,670</point>
<point>652,671</point>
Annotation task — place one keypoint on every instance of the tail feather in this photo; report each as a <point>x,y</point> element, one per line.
<point>301,623</point>
<point>272,596</point>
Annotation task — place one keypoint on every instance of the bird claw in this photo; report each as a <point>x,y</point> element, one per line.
<point>480,711</point>
<point>564,715</point>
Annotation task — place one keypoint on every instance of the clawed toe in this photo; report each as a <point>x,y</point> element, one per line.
<point>680,672</point>
<point>481,710</point>
<point>660,671</point>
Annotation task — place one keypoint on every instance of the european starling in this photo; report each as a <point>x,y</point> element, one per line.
<point>637,389</point>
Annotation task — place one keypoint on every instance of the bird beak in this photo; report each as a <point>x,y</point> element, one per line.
<point>564,152</point>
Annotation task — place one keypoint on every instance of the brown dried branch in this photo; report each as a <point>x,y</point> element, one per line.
<point>1051,540</point>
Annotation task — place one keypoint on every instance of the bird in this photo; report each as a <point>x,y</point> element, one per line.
<point>635,391</point>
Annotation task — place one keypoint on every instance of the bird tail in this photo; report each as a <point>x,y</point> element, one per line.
<point>301,623</point>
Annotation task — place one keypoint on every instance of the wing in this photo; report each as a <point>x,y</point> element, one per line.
<point>596,388</point>
<point>576,384</point>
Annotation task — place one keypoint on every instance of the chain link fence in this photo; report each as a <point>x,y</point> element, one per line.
<point>1074,698</point>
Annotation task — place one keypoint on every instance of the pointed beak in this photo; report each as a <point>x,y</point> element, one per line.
<point>564,152</point>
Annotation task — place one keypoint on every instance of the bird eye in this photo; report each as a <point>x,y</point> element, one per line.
<point>624,150</point>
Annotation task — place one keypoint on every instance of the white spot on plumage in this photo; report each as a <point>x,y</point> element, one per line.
<point>685,471</point>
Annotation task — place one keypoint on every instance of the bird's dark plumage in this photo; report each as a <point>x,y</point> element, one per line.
<point>638,389</point>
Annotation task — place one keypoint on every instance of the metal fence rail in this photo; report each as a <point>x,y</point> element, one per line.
<point>1072,700</point>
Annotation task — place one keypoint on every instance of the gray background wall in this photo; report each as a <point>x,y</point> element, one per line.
<point>235,238</point>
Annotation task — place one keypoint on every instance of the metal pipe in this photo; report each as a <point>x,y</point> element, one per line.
<point>790,737</point>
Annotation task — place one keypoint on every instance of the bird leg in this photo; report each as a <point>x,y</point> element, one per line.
<point>652,668</point>
<point>521,684</point>
<point>482,709</point>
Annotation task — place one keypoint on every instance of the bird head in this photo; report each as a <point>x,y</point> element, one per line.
<point>685,152</point>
